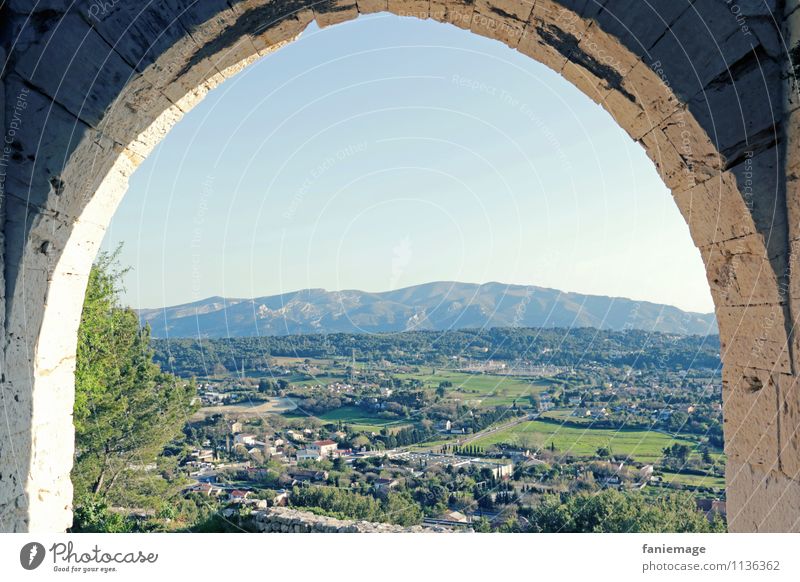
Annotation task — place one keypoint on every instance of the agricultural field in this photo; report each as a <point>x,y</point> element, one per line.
<point>484,389</point>
<point>248,410</point>
<point>642,445</point>
<point>359,420</point>
<point>311,380</point>
<point>693,480</point>
<point>290,361</point>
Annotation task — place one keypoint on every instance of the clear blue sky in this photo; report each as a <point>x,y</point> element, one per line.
<point>387,152</point>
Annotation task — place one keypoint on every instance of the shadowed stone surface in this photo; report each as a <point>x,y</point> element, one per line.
<point>86,93</point>
<point>287,520</point>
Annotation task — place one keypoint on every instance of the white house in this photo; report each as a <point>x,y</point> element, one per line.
<point>308,455</point>
<point>324,449</point>
<point>245,438</point>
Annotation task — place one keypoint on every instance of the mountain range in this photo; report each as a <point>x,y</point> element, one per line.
<point>431,306</point>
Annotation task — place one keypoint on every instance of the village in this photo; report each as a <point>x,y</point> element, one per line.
<point>467,441</point>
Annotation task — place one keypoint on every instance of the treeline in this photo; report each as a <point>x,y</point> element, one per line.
<point>407,436</point>
<point>397,508</point>
<point>611,511</point>
<point>556,346</point>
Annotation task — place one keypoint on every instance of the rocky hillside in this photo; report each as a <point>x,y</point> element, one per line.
<point>432,306</point>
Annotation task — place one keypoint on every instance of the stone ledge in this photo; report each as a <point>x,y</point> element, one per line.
<point>287,520</point>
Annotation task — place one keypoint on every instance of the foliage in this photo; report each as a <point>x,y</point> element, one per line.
<point>93,516</point>
<point>556,346</point>
<point>397,508</point>
<point>615,512</point>
<point>126,409</point>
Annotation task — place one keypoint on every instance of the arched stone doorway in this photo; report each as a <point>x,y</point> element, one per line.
<point>701,85</point>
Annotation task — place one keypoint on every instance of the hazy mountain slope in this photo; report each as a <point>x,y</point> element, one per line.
<point>439,305</point>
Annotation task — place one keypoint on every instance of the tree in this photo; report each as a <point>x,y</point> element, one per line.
<point>126,408</point>
<point>526,441</point>
<point>93,516</point>
<point>604,452</point>
<point>677,454</point>
<point>615,512</point>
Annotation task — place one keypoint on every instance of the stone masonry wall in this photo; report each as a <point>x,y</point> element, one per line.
<point>287,520</point>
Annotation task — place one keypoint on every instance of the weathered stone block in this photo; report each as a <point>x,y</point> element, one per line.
<point>204,21</point>
<point>761,502</point>
<point>43,138</point>
<point>14,515</point>
<point>235,58</point>
<point>371,6</point>
<point>456,12</point>
<point>17,376</point>
<point>16,441</point>
<point>75,66</point>
<point>330,12</point>
<point>516,9</point>
<point>411,8</point>
<point>740,115</point>
<point>49,487</point>
<point>675,173</point>
<point>740,273</point>
<point>629,114</point>
<point>651,92</point>
<point>25,6</point>
<point>789,425</point>
<point>142,132</point>
<point>139,34</point>
<point>715,211</point>
<point>758,179</point>
<point>594,88</point>
<point>282,30</point>
<point>221,34</point>
<point>552,33</point>
<point>693,146</point>
<point>604,56</point>
<point>499,26</point>
<point>754,337</point>
<point>749,399</point>
<point>639,25</point>
<point>702,44</point>
<point>178,75</point>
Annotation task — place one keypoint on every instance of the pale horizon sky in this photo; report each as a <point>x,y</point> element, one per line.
<point>388,152</point>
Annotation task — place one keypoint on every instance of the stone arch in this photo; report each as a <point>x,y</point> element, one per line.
<point>90,90</point>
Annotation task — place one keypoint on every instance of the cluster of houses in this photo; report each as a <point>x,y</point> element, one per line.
<point>595,413</point>
<point>499,468</point>
<point>319,450</point>
<point>214,398</point>
<point>297,445</point>
<point>482,366</point>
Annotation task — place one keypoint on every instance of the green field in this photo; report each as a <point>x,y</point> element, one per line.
<point>693,480</point>
<point>310,380</point>
<point>642,445</point>
<point>485,389</point>
<point>360,420</point>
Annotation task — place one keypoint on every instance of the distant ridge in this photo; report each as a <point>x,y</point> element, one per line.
<point>434,306</point>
